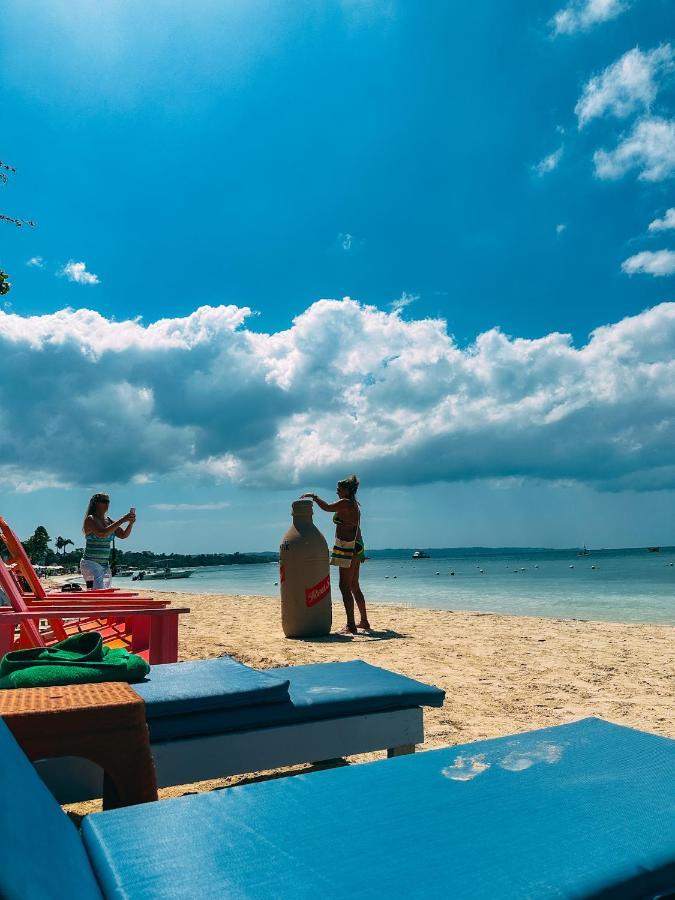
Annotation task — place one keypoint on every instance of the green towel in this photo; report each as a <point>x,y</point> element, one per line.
<point>80,659</point>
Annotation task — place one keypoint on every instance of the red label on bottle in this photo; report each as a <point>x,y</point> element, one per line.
<point>282,573</point>
<point>314,595</point>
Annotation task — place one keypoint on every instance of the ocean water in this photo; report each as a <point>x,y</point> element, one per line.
<point>608,585</point>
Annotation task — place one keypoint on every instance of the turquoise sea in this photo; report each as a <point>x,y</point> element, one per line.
<point>607,585</point>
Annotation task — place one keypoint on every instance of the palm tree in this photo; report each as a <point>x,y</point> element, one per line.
<point>62,543</point>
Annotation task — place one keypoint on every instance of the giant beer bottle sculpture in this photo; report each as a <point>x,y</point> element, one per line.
<point>304,577</point>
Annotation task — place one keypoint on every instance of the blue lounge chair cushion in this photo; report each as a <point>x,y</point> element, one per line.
<point>581,810</point>
<point>42,853</point>
<point>320,691</point>
<point>207,684</point>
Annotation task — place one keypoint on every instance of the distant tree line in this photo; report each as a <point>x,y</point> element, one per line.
<point>38,549</point>
<point>148,559</point>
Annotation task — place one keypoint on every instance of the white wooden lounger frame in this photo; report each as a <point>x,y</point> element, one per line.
<point>186,760</point>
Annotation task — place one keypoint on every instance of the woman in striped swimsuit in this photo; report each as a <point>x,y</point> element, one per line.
<point>99,530</point>
<point>349,549</point>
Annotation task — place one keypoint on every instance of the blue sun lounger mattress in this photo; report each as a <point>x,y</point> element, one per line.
<point>221,695</point>
<point>581,810</point>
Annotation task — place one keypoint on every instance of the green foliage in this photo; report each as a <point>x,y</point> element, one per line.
<point>147,559</point>
<point>39,552</point>
<point>36,545</point>
<point>5,284</point>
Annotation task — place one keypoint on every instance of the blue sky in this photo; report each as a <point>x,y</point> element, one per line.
<point>456,158</point>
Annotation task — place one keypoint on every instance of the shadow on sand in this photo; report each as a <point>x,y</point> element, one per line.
<point>304,769</point>
<point>334,638</point>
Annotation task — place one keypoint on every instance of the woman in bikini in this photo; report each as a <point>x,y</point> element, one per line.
<point>349,549</point>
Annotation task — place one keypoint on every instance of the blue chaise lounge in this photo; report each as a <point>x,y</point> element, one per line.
<point>217,717</point>
<point>585,810</point>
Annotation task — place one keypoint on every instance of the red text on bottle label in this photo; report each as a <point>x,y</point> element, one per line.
<point>314,595</point>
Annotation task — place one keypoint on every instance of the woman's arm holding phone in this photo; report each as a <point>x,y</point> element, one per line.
<point>125,532</point>
<point>91,526</point>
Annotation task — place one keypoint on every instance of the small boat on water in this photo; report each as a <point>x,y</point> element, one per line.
<point>420,554</point>
<point>653,549</point>
<point>163,573</point>
<point>584,552</point>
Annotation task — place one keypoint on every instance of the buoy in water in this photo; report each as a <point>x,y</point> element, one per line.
<point>571,567</point>
<point>452,573</point>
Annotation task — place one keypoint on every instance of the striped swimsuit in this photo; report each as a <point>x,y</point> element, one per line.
<point>95,564</point>
<point>98,549</point>
<point>345,551</point>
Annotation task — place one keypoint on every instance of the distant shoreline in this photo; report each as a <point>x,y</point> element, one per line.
<point>136,560</point>
<point>251,557</point>
<point>395,552</point>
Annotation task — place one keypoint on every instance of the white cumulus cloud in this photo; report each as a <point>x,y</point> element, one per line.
<point>346,387</point>
<point>36,262</point>
<point>649,147</point>
<point>628,85</point>
<point>549,163</point>
<point>77,272</point>
<point>656,262</point>
<point>666,223</point>
<point>580,15</point>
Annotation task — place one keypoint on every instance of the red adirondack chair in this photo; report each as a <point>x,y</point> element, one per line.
<point>116,615</point>
<point>134,623</point>
<point>160,626</point>
<point>28,582</point>
<point>22,568</point>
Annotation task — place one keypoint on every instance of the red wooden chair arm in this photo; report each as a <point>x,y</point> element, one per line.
<point>9,615</point>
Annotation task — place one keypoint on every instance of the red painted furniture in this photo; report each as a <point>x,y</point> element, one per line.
<point>81,611</point>
<point>66,616</point>
<point>21,567</point>
<point>159,633</point>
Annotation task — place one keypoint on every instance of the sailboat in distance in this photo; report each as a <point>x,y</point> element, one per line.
<point>584,552</point>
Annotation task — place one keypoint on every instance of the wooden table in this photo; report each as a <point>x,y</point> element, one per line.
<point>104,723</point>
